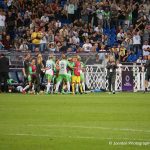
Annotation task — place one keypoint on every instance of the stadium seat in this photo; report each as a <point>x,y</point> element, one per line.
<point>111,33</point>
<point>20,76</point>
<point>13,76</point>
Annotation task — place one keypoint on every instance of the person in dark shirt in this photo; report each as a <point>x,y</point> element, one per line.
<point>121,18</point>
<point>39,67</point>
<point>7,42</point>
<point>135,13</point>
<point>111,74</point>
<point>25,70</point>
<point>26,65</point>
<point>147,75</point>
<point>4,69</point>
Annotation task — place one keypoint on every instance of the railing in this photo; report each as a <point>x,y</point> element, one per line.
<point>16,58</point>
<point>96,77</point>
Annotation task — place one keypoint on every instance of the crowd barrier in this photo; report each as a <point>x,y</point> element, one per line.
<point>128,77</point>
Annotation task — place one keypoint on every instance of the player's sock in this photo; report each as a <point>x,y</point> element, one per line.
<point>73,88</point>
<point>68,86</point>
<point>48,87</point>
<point>57,86</point>
<point>83,86</point>
<point>27,87</point>
<point>77,88</point>
<point>33,87</point>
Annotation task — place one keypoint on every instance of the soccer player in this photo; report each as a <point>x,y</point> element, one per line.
<point>76,76</point>
<point>62,67</point>
<point>25,70</point>
<point>82,77</point>
<point>32,77</point>
<point>50,66</point>
<point>64,83</point>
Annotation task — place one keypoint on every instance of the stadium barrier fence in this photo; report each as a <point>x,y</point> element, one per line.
<point>96,77</point>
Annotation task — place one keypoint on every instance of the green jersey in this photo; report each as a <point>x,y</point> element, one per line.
<point>72,71</point>
<point>63,65</point>
<point>106,15</point>
<point>50,65</point>
<point>130,16</point>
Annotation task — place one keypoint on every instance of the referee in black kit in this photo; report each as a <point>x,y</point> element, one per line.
<point>4,69</point>
<point>111,74</point>
<point>147,74</point>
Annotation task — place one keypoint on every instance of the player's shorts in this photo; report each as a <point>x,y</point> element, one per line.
<point>32,78</point>
<point>49,77</point>
<point>29,78</point>
<point>69,78</point>
<point>76,79</point>
<point>147,77</point>
<point>62,77</point>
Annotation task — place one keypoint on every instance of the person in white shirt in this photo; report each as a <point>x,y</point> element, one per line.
<point>120,37</point>
<point>146,50</point>
<point>99,13</point>
<point>141,60</point>
<point>45,18</point>
<point>98,29</point>
<point>9,3</point>
<point>87,46</point>
<point>136,42</point>
<point>43,42</point>
<point>58,24</point>
<point>2,21</point>
<point>24,46</point>
<point>75,39</point>
<point>71,11</point>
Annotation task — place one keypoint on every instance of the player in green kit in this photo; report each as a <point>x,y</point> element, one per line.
<point>49,71</point>
<point>70,70</point>
<point>82,75</point>
<point>62,67</point>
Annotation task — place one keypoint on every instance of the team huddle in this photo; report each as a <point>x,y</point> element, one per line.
<point>62,76</point>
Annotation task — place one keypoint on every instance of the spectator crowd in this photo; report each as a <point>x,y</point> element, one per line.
<point>118,27</point>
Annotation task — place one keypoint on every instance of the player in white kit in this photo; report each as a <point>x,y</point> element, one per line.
<point>49,72</point>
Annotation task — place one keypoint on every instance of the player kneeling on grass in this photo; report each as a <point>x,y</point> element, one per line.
<point>62,67</point>
<point>50,66</point>
<point>76,76</point>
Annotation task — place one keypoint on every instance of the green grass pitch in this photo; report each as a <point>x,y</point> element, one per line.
<point>80,122</point>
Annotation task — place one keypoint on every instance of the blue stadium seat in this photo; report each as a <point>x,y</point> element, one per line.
<point>111,33</point>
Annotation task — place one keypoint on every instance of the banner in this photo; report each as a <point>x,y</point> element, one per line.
<point>127,81</point>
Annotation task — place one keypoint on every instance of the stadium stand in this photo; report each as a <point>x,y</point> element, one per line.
<point>76,24</point>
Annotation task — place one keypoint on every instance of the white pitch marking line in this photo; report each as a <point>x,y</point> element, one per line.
<point>88,127</point>
<point>75,137</point>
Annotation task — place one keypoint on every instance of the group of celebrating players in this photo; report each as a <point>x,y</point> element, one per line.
<point>65,75</point>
